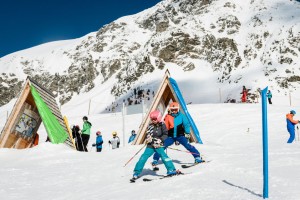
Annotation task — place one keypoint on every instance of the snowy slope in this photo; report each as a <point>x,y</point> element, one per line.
<point>232,142</point>
<point>231,133</point>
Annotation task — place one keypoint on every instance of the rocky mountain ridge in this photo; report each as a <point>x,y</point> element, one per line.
<point>234,38</point>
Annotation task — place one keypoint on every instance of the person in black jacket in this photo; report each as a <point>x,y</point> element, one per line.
<point>77,136</point>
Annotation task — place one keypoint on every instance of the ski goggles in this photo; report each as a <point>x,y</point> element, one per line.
<point>174,110</point>
<point>154,119</point>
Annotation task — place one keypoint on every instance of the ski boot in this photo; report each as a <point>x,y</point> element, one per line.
<point>154,165</point>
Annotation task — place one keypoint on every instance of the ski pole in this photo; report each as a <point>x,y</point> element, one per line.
<point>184,151</point>
<point>298,132</point>
<point>135,154</point>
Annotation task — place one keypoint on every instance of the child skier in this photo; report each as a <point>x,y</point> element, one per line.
<point>132,137</point>
<point>178,131</point>
<point>115,141</point>
<point>156,133</point>
<point>99,142</point>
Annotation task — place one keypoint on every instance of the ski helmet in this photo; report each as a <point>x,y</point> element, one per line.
<point>174,107</point>
<point>85,118</point>
<point>114,133</point>
<point>155,115</point>
<point>293,112</point>
<point>98,133</point>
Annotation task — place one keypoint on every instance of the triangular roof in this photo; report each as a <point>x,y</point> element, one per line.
<point>34,105</point>
<point>167,92</point>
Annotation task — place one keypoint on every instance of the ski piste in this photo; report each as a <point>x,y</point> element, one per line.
<point>194,164</point>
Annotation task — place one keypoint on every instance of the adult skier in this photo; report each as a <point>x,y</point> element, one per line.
<point>77,136</point>
<point>244,94</point>
<point>178,132</point>
<point>290,125</point>
<point>85,132</point>
<point>156,133</point>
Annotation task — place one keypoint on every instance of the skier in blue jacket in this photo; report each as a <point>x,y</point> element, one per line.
<point>178,132</point>
<point>99,141</point>
<point>132,137</point>
<point>290,125</point>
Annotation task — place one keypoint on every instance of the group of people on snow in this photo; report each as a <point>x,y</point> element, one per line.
<point>245,93</point>
<point>81,137</point>
<point>161,133</point>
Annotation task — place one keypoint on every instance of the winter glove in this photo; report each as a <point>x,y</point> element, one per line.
<point>79,132</point>
<point>157,143</point>
<point>149,139</point>
<point>93,145</point>
<point>297,128</point>
<point>187,136</point>
<point>177,143</point>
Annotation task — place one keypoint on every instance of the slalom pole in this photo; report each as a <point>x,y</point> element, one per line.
<point>135,154</point>
<point>265,144</point>
<point>298,132</point>
<point>183,151</point>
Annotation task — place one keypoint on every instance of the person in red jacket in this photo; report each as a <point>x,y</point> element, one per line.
<point>290,125</point>
<point>244,94</point>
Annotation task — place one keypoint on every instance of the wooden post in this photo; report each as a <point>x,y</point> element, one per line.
<point>123,117</point>
<point>89,107</point>
<point>220,95</point>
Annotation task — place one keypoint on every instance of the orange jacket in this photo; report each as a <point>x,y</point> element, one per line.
<point>290,117</point>
<point>169,121</point>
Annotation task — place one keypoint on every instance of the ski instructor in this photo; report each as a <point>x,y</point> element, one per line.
<point>290,125</point>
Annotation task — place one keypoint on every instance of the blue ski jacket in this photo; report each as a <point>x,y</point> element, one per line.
<point>99,141</point>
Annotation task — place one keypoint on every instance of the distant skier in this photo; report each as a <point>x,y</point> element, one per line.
<point>115,141</point>
<point>269,96</point>
<point>244,94</point>
<point>85,132</point>
<point>178,132</point>
<point>99,142</point>
<point>132,136</point>
<point>290,124</point>
<point>156,133</point>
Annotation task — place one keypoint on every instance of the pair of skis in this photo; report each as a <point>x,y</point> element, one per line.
<point>162,177</point>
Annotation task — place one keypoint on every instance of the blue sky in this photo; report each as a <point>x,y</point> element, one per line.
<point>27,23</point>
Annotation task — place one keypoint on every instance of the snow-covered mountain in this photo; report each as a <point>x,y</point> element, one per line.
<point>226,43</point>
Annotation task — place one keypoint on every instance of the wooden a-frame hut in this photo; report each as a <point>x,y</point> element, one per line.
<point>167,92</point>
<point>34,106</point>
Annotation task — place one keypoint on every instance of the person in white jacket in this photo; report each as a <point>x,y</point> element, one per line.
<point>115,141</point>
